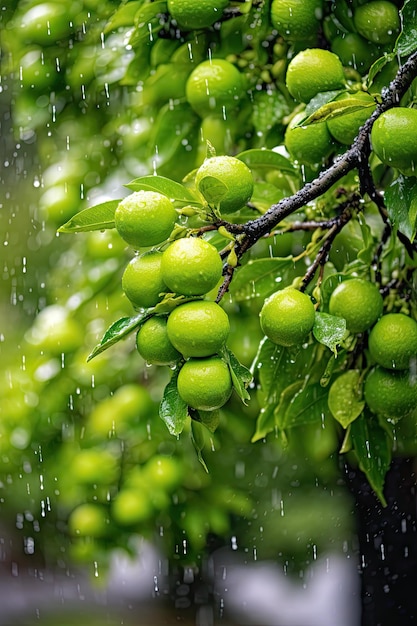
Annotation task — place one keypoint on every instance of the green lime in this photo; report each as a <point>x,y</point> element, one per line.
<point>354,51</point>
<point>191,266</point>
<point>393,139</point>
<point>310,144</point>
<point>191,15</point>
<point>131,507</point>
<point>145,218</point>
<point>295,20</point>
<point>205,384</point>
<point>236,178</point>
<point>142,280</point>
<point>377,21</point>
<point>89,520</point>
<point>287,317</point>
<point>359,302</point>
<point>214,86</point>
<point>153,343</point>
<point>391,394</point>
<point>393,341</point>
<point>312,71</point>
<point>198,329</point>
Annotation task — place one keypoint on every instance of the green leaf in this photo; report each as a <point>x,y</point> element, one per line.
<point>265,194</point>
<point>329,330</point>
<point>345,398</point>
<point>407,41</point>
<point>117,331</point>
<point>262,277</point>
<point>124,16</point>
<point>213,189</point>
<point>173,410</point>
<point>268,110</point>
<point>279,368</point>
<point>303,404</point>
<point>148,22</point>
<point>335,109</point>
<point>373,450</point>
<point>377,66</point>
<point>198,441</point>
<point>269,159</point>
<point>172,127</point>
<point>241,376</point>
<point>166,186</point>
<point>320,100</point>
<point>265,423</point>
<point>367,252</point>
<point>97,217</point>
<point>401,203</point>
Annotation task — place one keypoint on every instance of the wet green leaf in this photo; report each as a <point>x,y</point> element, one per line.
<point>373,450</point>
<point>268,159</point>
<point>282,372</point>
<point>198,441</point>
<point>99,217</point>
<point>329,330</point>
<point>345,398</point>
<point>377,66</point>
<point>301,404</point>
<point>262,277</point>
<point>173,410</point>
<point>407,41</point>
<point>401,202</point>
<point>148,22</point>
<point>241,376</point>
<point>124,15</point>
<point>335,109</point>
<point>118,331</point>
<point>166,186</point>
<point>213,189</point>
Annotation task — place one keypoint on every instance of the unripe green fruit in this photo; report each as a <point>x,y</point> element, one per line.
<point>145,218</point>
<point>310,144</point>
<point>195,15</point>
<point>153,343</point>
<point>391,394</point>
<point>198,329</point>
<point>287,317</point>
<point>393,139</point>
<point>359,302</point>
<point>142,280</point>
<point>295,20</point>
<point>235,178</point>
<point>377,21</point>
<point>312,71</point>
<point>191,266</point>
<point>393,341</point>
<point>205,384</point>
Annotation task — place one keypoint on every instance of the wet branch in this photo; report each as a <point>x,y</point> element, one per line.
<point>355,157</point>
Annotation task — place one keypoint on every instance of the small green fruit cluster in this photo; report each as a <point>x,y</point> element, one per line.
<point>314,143</point>
<point>391,386</point>
<point>195,330</point>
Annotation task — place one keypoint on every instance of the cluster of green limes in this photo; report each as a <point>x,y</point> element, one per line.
<point>361,33</point>
<point>391,385</point>
<point>195,331</point>
<point>390,390</point>
<point>310,72</point>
